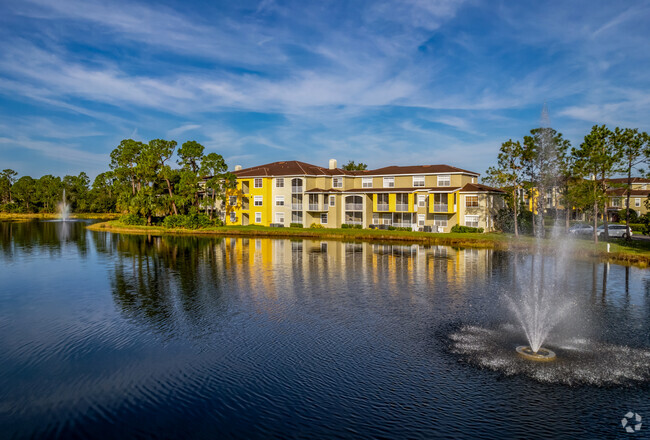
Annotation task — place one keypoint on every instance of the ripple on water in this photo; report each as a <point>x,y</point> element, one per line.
<point>579,361</point>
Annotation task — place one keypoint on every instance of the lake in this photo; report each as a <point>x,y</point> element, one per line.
<point>125,336</point>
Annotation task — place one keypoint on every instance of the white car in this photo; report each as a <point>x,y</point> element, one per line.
<point>619,231</point>
<point>581,229</point>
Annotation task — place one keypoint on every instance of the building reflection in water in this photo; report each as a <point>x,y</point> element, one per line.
<point>182,283</point>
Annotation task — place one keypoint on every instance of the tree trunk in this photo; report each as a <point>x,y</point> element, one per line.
<point>149,219</point>
<point>604,188</point>
<point>514,193</point>
<point>171,196</point>
<point>595,220</point>
<point>628,190</point>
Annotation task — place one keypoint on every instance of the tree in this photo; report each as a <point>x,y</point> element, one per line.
<point>155,156</point>
<point>24,191</point>
<point>634,149</point>
<point>218,179</point>
<point>49,192</point>
<point>509,174</point>
<point>597,159</point>
<point>103,193</point>
<point>7,179</point>
<point>76,192</point>
<point>190,155</point>
<point>124,162</point>
<point>351,166</point>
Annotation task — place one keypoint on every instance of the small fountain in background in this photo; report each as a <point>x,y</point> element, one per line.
<point>63,209</point>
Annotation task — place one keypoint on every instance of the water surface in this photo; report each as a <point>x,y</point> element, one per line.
<point>114,336</point>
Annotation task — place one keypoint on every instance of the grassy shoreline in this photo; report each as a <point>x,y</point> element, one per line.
<point>636,253</point>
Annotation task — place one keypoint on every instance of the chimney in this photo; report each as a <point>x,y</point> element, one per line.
<point>333,164</point>
<point>237,167</point>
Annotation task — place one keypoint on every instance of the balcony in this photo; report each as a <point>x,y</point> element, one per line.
<point>382,207</point>
<point>402,225</point>
<point>354,206</point>
<point>439,207</point>
<point>296,206</point>
<point>402,207</point>
<point>354,222</point>
<point>317,207</point>
<point>296,189</point>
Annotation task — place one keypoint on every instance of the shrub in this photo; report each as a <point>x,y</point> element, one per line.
<point>133,219</point>
<point>634,216</point>
<point>347,226</point>
<point>190,221</point>
<point>645,221</point>
<point>464,229</point>
<point>317,226</point>
<point>504,221</point>
<point>295,225</point>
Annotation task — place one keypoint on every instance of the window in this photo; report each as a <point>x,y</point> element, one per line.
<point>637,202</point>
<point>257,201</point>
<point>422,200</point>
<point>233,217</point>
<point>296,217</point>
<point>296,185</point>
<point>232,200</point>
<point>444,180</point>
<point>441,220</point>
<point>279,200</point>
<point>279,182</point>
<point>471,201</point>
<point>337,182</point>
<point>616,203</point>
<point>323,219</point>
<point>366,182</point>
<point>471,221</point>
<point>258,217</point>
<point>279,217</point>
<point>389,182</point>
<point>375,218</point>
<point>418,180</point>
<point>258,182</point>
<point>421,218</point>
<point>332,201</point>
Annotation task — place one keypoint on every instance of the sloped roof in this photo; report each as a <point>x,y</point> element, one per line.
<point>633,192</point>
<point>413,169</point>
<point>289,168</point>
<point>478,187</point>
<point>624,180</point>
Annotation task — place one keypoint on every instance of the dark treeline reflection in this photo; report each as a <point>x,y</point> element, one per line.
<point>172,284</point>
<point>42,236</point>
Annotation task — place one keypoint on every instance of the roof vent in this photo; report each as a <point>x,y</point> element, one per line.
<point>237,167</point>
<point>333,164</point>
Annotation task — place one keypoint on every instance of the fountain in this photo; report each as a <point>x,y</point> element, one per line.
<point>63,209</point>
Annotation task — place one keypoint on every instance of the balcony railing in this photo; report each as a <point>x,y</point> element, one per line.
<point>296,189</point>
<point>402,207</point>
<point>296,206</point>
<point>354,222</point>
<point>316,207</point>
<point>402,225</point>
<point>245,206</point>
<point>439,207</point>
<point>382,206</point>
<point>354,206</point>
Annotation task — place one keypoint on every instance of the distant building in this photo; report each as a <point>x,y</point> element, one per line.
<point>420,197</point>
<point>617,195</point>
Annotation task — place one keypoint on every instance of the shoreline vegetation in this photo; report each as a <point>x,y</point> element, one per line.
<point>17,217</point>
<point>635,253</point>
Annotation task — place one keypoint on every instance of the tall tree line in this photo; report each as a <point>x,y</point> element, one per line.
<point>545,164</point>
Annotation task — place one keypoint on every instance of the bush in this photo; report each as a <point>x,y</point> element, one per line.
<point>645,221</point>
<point>634,216</point>
<point>504,221</point>
<point>133,220</point>
<point>317,226</point>
<point>295,225</point>
<point>464,229</point>
<point>191,221</point>
<point>347,226</point>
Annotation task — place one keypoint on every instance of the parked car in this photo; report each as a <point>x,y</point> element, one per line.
<point>581,229</point>
<point>619,231</point>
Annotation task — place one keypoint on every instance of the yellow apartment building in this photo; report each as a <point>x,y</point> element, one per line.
<point>421,197</point>
<point>617,195</point>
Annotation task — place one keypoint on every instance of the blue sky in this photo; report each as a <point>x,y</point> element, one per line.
<point>382,82</point>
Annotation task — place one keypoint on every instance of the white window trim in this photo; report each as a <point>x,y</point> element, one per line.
<point>279,200</point>
<point>444,180</point>
<point>279,217</point>
<point>255,182</point>
<point>440,220</point>
<point>478,202</point>
<point>422,200</point>
<point>230,198</point>
<point>279,182</point>
<point>258,217</point>
<point>389,182</point>
<point>337,182</point>
<point>366,182</point>
<point>257,199</point>
<point>323,215</point>
<point>421,219</point>
<point>637,202</point>
<point>419,180</point>
<point>472,217</point>
<point>332,201</point>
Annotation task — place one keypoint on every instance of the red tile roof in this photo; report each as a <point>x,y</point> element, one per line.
<point>477,187</point>
<point>413,169</point>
